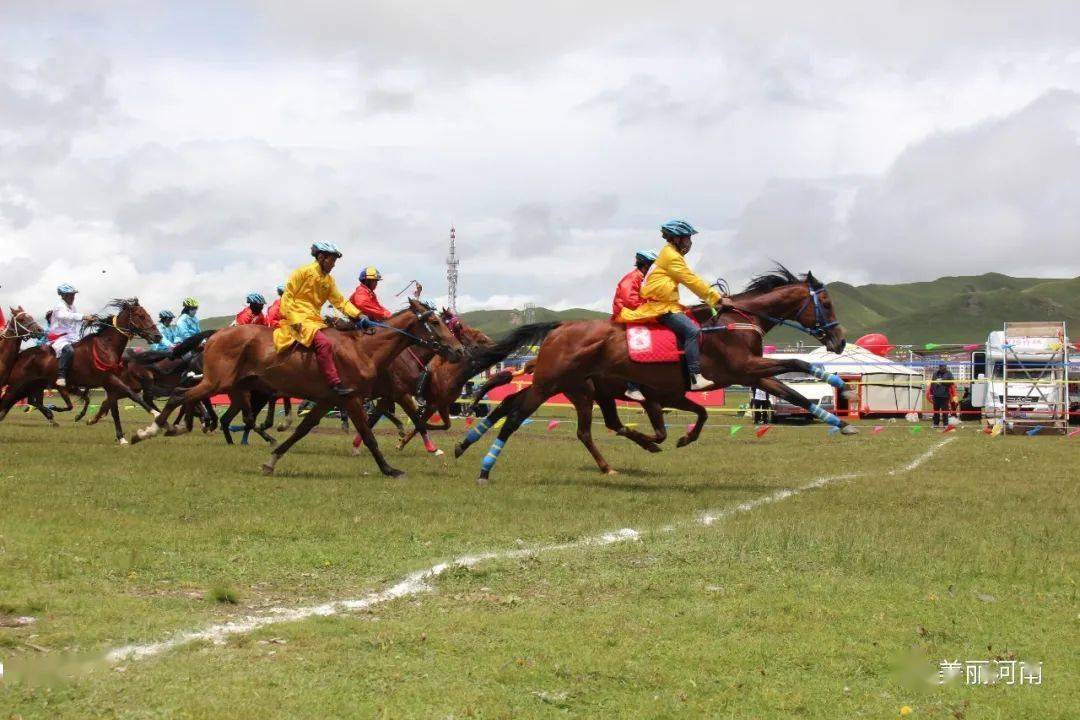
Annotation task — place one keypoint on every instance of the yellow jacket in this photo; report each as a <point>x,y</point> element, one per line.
<point>301,306</point>
<point>660,291</point>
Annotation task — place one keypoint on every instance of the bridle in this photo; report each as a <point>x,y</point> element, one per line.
<point>21,330</point>
<point>819,330</point>
<point>129,332</point>
<point>431,342</point>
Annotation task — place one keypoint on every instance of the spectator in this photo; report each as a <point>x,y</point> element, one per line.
<point>761,404</point>
<point>941,393</point>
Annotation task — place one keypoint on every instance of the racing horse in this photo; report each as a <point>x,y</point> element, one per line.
<point>21,327</point>
<point>242,359</point>
<point>731,350</point>
<point>97,361</point>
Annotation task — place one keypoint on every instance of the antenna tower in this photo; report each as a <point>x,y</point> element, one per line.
<point>452,273</point>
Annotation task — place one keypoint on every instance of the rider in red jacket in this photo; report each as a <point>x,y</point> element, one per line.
<point>253,313</point>
<point>364,295</point>
<point>628,293</point>
<point>273,313</point>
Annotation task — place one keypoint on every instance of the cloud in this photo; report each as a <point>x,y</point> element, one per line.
<point>389,101</point>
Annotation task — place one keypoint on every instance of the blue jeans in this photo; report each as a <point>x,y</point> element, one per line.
<point>689,334</point>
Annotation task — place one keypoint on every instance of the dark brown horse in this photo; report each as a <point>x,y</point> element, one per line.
<point>97,361</point>
<point>242,359</point>
<point>731,350</point>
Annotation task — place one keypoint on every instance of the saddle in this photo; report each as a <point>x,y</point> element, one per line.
<point>652,343</point>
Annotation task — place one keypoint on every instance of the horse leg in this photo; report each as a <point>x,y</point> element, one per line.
<point>85,397</point>
<point>37,400</point>
<point>286,423</point>
<point>226,421</point>
<point>583,403</point>
<point>702,416</point>
<point>311,419</point>
<point>254,409</point>
<point>610,412</point>
<point>25,390</point>
<point>525,405</point>
<point>478,430</point>
<point>780,390</point>
<point>355,408</point>
<point>408,404</point>
<point>106,404</point>
<point>114,409</point>
<point>181,397</point>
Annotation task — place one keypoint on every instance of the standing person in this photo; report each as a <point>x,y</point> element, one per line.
<point>273,313</point>
<point>65,328</point>
<point>761,404</point>
<point>168,331</point>
<point>660,293</point>
<point>628,295</point>
<point>253,313</point>
<point>188,324</point>
<point>309,288</point>
<point>364,296</point>
<point>941,393</point>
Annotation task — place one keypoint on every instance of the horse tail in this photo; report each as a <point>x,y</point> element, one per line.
<point>522,337</point>
<point>190,344</point>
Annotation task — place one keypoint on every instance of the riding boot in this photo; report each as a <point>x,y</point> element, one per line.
<point>66,356</point>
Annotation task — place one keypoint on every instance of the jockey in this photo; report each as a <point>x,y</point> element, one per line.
<point>188,324</point>
<point>660,295</point>
<point>307,290</point>
<point>273,313</point>
<point>253,313</point>
<point>628,295</point>
<point>364,295</point>
<point>65,328</point>
<point>168,332</point>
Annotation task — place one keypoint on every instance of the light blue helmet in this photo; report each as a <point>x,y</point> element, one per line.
<point>166,315</point>
<point>648,256</point>
<point>255,299</point>
<point>325,247</point>
<point>65,289</point>
<point>679,228</point>
<point>280,289</point>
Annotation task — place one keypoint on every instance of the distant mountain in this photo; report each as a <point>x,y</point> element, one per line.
<point>950,309</point>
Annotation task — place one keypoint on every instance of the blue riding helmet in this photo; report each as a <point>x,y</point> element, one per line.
<point>280,289</point>
<point>166,315</point>
<point>65,289</point>
<point>679,228</point>
<point>255,299</point>
<point>648,256</point>
<point>325,247</point>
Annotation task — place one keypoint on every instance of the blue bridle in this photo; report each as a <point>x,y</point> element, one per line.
<point>821,326</point>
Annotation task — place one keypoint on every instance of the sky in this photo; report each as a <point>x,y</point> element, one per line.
<point>168,149</point>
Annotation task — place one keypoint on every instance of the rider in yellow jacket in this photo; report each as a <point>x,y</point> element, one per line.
<point>660,293</point>
<point>307,290</point>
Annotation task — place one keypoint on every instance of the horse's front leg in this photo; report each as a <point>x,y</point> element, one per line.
<point>316,413</point>
<point>780,390</point>
<point>355,408</point>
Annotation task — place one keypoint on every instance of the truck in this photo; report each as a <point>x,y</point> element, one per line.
<point>1021,377</point>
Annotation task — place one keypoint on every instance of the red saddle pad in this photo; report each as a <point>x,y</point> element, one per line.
<point>652,343</point>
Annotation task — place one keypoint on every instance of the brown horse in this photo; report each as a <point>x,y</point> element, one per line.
<point>97,361</point>
<point>24,327</point>
<point>443,380</point>
<point>731,349</point>
<point>241,359</point>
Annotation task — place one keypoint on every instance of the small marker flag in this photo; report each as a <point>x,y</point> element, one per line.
<point>552,425</point>
<point>916,429</point>
<point>1034,431</point>
<point>762,430</point>
<point>735,429</point>
<point>877,429</point>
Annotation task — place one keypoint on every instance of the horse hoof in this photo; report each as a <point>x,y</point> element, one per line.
<point>267,469</point>
<point>123,442</point>
<point>357,452</point>
<point>393,472</point>
<point>611,471</point>
<point>683,441</point>
<point>438,452</point>
<point>459,450</point>
<point>849,430</point>
<point>483,480</point>
<point>652,447</point>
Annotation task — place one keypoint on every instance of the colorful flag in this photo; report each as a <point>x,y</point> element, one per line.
<point>762,430</point>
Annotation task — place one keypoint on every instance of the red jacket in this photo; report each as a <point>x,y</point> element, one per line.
<point>273,314</point>
<point>366,302</point>
<point>246,317</point>
<point>628,294</point>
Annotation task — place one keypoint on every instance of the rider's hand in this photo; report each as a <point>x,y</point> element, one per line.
<point>362,323</point>
<point>419,289</point>
<point>89,318</point>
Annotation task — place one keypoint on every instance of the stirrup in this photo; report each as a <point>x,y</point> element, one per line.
<point>634,395</point>
<point>699,382</point>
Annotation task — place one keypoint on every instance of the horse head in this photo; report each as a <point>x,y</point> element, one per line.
<point>23,325</point>
<point>469,336</point>
<point>801,302</point>
<point>440,337</point>
<point>132,319</point>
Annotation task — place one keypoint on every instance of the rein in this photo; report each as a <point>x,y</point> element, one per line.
<point>423,342</point>
<point>19,330</point>
<point>818,330</point>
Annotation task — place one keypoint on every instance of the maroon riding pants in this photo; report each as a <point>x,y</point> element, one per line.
<point>324,353</point>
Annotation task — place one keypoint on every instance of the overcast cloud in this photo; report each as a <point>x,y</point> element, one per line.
<point>198,148</point>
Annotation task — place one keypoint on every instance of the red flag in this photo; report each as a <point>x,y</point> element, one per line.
<point>469,421</point>
<point>552,425</point>
<point>762,430</point>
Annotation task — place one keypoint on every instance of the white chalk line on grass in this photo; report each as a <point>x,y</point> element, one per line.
<point>418,582</point>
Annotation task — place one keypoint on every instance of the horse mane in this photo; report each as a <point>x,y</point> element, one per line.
<point>778,277</point>
<point>122,304</point>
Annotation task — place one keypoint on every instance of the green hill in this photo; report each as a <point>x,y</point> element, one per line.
<point>950,309</point>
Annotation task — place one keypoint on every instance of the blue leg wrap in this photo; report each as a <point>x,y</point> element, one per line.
<point>477,431</point>
<point>819,371</point>
<point>824,415</point>
<point>492,455</point>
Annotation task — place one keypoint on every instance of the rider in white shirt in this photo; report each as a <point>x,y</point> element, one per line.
<point>65,328</point>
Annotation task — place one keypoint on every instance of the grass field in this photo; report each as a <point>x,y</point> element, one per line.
<point>839,600</point>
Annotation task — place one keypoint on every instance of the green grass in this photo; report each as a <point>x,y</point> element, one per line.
<point>820,606</point>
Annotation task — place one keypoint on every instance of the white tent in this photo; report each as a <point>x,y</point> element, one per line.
<point>884,387</point>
